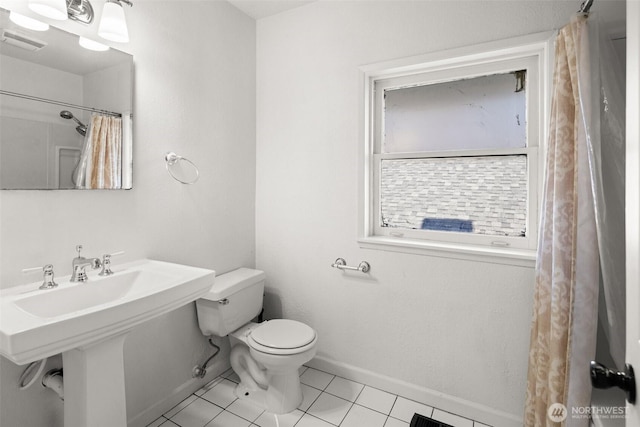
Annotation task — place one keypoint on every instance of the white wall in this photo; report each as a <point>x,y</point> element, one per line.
<point>194,94</point>
<point>442,325</point>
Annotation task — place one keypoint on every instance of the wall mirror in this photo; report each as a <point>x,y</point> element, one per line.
<point>65,112</point>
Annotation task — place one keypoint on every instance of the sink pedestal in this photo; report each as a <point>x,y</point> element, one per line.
<point>94,392</point>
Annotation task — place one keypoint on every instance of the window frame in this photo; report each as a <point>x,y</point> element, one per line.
<point>533,53</point>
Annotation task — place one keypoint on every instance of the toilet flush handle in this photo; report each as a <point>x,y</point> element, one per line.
<point>224,301</point>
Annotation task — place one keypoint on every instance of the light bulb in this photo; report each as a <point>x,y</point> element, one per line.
<point>54,9</point>
<point>113,25</point>
<point>26,22</point>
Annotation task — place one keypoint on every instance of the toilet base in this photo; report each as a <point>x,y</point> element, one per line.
<point>283,395</point>
<point>256,396</point>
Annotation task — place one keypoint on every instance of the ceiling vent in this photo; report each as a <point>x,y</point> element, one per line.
<point>22,41</point>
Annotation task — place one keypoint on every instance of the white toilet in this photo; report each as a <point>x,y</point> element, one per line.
<point>266,356</point>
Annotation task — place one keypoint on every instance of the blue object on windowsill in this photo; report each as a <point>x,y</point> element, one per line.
<point>448,224</point>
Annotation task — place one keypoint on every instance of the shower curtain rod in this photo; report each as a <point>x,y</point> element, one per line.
<point>63,104</point>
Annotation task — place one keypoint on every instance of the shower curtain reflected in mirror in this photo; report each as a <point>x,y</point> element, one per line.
<point>100,165</point>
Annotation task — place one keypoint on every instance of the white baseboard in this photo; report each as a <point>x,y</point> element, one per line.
<point>455,405</point>
<point>177,395</point>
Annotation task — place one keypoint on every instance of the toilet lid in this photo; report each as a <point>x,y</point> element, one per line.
<point>283,334</point>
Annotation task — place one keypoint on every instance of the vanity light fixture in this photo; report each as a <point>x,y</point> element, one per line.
<point>54,9</point>
<point>26,22</point>
<point>113,25</point>
<point>92,45</point>
<point>78,10</point>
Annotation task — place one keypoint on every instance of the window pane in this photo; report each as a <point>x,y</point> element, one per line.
<point>481,195</point>
<point>478,113</point>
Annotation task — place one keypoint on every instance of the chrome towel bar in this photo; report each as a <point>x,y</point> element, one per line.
<point>341,264</point>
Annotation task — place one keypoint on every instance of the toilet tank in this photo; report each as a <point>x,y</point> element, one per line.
<point>234,300</point>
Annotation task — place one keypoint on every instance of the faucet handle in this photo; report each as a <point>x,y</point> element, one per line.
<point>79,249</point>
<point>106,263</point>
<point>32,269</point>
<point>47,282</point>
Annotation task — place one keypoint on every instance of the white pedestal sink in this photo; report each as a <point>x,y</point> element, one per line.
<point>88,323</point>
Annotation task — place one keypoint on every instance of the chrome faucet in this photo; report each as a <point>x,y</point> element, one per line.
<point>78,265</point>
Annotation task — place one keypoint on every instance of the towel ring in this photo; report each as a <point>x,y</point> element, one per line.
<point>172,159</point>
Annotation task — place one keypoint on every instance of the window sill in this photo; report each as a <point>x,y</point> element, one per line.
<point>508,256</point>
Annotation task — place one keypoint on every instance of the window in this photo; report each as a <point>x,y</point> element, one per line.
<point>452,149</point>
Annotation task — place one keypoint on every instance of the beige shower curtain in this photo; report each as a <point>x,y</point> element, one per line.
<point>567,271</point>
<point>101,159</point>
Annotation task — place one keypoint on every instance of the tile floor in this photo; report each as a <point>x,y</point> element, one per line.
<point>329,401</point>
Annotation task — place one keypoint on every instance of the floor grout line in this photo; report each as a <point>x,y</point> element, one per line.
<point>252,423</point>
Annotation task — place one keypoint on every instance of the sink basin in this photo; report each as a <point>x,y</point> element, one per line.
<point>75,298</point>
<point>88,323</point>
<point>71,299</point>
<point>35,324</point>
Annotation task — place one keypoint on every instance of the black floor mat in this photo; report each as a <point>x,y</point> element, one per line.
<point>422,421</point>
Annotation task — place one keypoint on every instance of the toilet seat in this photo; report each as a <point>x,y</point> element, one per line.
<point>282,337</point>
